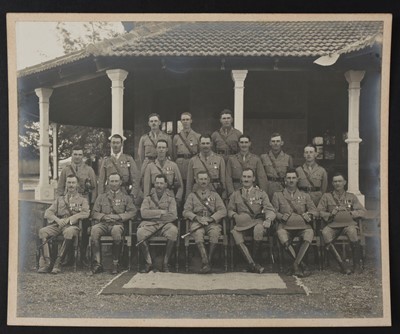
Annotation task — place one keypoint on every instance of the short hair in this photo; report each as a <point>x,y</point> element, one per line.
<point>187,114</point>
<point>115,173</point>
<point>161,176</point>
<point>162,141</point>
<point>202,172</point>
<point>205,136</point>
<point>276,134</point>
<point>291,170</point>
<point>154,115</point>
<point>311,145</point>
<point>225,111</point>
<point>244,136</point>
<point>338,174</point>
<point>249,169</point>
<point>77,148</point>
<point>117,136</point>
<point>70,176</point>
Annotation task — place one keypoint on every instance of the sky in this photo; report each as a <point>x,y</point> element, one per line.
<point>38,42</point>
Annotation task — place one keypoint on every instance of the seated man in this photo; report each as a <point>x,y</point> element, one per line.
<point>111,210</point>
<point>159,213</point>
<point>339,209</point>
<point>253,213</point>
<point>63,216</point>
<point>205,209</point>
<point>295,211</point>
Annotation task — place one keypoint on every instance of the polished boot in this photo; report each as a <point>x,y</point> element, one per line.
<point>211,252</point>
<point>343,269</point>
<point>300,255</point>
<point>65,248</point>
<point>168,252</point>
<point>255,268</point>
<point>96,266</point>
<point>256,250</point>
<point>144,247</point>
<point>204,259</point>
<point>116,252</point>
<point>356,249</point>
<point>44,261</point>
<point>292,253</point>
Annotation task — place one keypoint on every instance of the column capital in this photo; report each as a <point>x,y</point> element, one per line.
<point>117,74</point>
<point>354,77</point>
<point>239,75</point>
<point>44,93</point>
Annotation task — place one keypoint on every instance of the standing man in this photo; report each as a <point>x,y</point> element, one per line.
<point>225,140</point>
<point>313,178</point>
<point>276,163</point>
<point>122,164</point>
<point>339,209</point>
<point>205,209</point>
<point>295,210</point>
<point>185,145</point>
<point>110,211</point>
<point>63,217</point>
<point>253,213</point>
<point>240,161</point>
<point>209,162</point>
<point>162,165</point>
<point>159,214</point>
<point>147,150</point>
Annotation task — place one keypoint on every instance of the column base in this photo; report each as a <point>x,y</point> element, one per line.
<point>44,193</point>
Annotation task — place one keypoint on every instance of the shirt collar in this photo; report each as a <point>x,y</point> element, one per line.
<point>117,156</point>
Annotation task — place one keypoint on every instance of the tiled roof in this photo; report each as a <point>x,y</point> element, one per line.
<point>241,39</point>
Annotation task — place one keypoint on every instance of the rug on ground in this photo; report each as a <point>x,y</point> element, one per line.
<point>195,284</point>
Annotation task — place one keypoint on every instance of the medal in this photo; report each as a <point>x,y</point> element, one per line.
<point>191,144</point>
<point>128,164</point>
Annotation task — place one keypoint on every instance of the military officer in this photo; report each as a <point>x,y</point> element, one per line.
<point>225,140</point>
<point>110,211</point>
<point>213,164</point>
<point>276,162</point>
<point>339,209</point>
<point>295,210</point>
<point>240,161</point>
<point>159,214</point>
<point>147,150</point>
<point>313,178</point>
<point>185,145</point>
<point>125,166</point>
<point>205,209</point>
<point>63,217</point>
<point>163,165</point>
<point>253,213</point>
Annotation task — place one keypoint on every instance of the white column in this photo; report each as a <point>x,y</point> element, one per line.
<point>54,155</point>
<point>238,76</point>
<point>44,191</point>
<point>353,137</point>
<point>117,78</point>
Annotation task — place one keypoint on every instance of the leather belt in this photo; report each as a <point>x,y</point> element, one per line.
<point>310,189</point>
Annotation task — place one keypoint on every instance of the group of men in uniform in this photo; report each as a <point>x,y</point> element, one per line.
<point>213,177</point>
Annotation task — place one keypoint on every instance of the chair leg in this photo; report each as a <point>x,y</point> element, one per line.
<point>76,252</point>
<point>129,257</point>
<point>226,257</point>
<point>177,257</point>
<point>186,258</point>
<point>138,259</point>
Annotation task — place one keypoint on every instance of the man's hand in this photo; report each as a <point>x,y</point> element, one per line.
<point>285,217</point>
<point>267,223</point>
<point>306,217</point>
<point>62,222</point>
<point>114,217</point>
<point>163,212</point>
<point>202,220</point>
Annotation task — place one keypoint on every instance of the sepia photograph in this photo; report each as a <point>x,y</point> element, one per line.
<point>199,170</point>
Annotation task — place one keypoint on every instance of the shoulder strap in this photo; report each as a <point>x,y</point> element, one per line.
<point>68,208</point>
<point>73,171</point>
<point>152,141</point>
<point>308,177</point>
<point>207,171</point>
<point>290,203</point>
<point>185,142</point>
<point>111,204</point>
<point>273,164</point>
<point>227,144</point>
<point>116,167</point>
<point>151,199</point>
<point>247,204</point>
<point>203,203</point>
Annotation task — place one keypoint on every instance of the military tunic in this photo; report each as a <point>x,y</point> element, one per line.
<point>181,154</point>
<point>226,142</point>
<point>170,170</point>
<point>275,169</point>
<point>259,202</point>
<point>319,181</point>
<point>235,166</point>
<point>213,207</point>
<point>153,219</point>
<point>112,203</point>
<point>216,168</point>
<point>73,206</point>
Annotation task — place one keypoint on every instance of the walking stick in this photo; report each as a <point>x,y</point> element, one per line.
<point>189,233</point>
<point>154,233</point>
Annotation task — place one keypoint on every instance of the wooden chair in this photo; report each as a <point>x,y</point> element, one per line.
<point>222,240</point>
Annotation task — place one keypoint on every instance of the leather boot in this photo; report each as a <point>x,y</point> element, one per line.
<point>65,247</point>
<point>96,266</point>
<point>211,252</point>
<point>44,261</point>
<point>343,269</point>
<point>204,259</point>
<point>356,249</point>
<point>255,268</point>
<point>168,252</point>
<point>296,264</point>
<point>292,253</point>
<point>116,252</point>
<point>256,250</point>
<point>144,247</point>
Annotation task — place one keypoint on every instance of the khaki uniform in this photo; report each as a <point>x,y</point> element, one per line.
<point>302,203</point>
<point>170,170</point>
<point>216,210</point>
<point>216,168</point>
<point>153,219</point>
<point>275,169</point>
<point>147,151</point>
<point>112,203</point>
<point>73,206</point>
<point>226,143</point>
<point>350,209</point>
<point>259,202</point>
<point>235,166</point>
<point>180,153</point>
<point>85,175</point>
<point>319,178</point>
